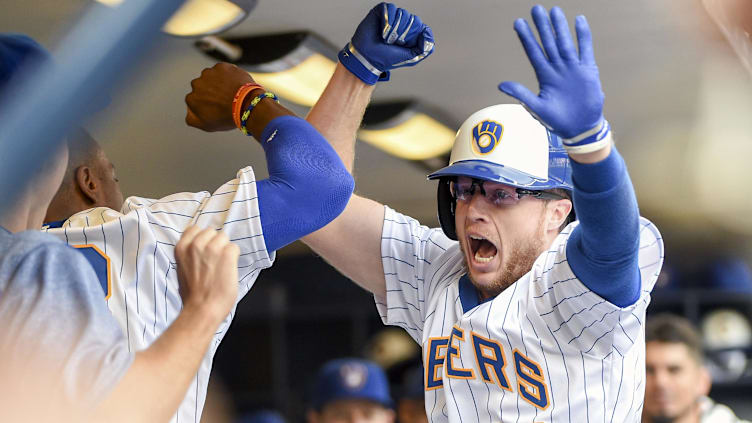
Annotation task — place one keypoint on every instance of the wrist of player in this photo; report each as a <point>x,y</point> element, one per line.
<point>354,61</point>
<point>250,96</point>
<point>591,140</point>
<point>210,311</point>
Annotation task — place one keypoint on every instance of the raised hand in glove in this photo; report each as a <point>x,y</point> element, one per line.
<point>570,99</point>
<point>387,38</point>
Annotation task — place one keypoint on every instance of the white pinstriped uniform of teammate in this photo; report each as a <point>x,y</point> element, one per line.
<point>519,319</point>
<point>139,241</point>
<point>132,250</point>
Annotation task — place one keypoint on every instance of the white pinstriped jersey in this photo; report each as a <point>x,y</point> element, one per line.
<point>139,267</point>
<point>546,349</point>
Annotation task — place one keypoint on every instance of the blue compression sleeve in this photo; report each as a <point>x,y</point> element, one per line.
<point>602,250</point>
<point>308,186</point>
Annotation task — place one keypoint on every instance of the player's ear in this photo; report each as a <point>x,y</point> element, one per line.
<point>558,211</point>
<point>84,180</point>
<point>705,382</point>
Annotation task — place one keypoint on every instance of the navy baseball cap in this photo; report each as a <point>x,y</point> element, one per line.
<point>351,378</point>
<point>17,51</point>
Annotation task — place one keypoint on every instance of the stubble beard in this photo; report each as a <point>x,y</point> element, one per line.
<point>521,259</point>
<point>692,409</point>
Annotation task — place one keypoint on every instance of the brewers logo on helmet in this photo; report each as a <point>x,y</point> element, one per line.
<point>486,136</point>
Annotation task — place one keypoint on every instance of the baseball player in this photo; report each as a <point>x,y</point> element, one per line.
<point>678,382</point>
<point>523,314</point>
<point>410,404</point>
<point>351,390</point>
<point>62,355</point>
<point>131,244</point>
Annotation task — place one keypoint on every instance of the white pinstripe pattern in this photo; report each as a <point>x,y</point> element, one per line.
<point>590,352</point>
<point>140,242</point>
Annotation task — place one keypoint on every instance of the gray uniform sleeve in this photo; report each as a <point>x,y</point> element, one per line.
<point>55,320</point>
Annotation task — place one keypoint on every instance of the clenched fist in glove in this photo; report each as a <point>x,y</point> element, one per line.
<point>387,38</point>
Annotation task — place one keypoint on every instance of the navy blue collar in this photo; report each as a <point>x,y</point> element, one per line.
<point>55,224</point>
<point>2,229</point>
<point>469,296</point>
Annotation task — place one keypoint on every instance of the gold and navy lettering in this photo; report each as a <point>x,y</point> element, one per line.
<point>435,361</point>
<point>490,362</point>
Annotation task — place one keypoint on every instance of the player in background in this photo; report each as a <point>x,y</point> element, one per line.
<point>132,243</point>
<point>62,355</point>
<point>522,315</point>
<point>351,390</point>
<point>410,400</point>
<point>677,382</point>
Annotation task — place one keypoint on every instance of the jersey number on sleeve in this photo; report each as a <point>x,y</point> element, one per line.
<point>101,264</point>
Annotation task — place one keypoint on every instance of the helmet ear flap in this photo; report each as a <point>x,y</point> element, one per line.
<point>446,209</point>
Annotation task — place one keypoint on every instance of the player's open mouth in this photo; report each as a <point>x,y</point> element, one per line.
<point>483,250</point>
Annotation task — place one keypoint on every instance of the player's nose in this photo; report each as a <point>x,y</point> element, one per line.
<point>661,380</point>
<point>477,208</point>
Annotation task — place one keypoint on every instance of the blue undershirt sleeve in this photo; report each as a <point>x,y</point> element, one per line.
<point>308,186</point>
<point>602,251</point>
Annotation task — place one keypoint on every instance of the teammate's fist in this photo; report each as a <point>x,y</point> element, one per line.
<point>210,100</point>
<point>207,265</point>
<point>388,37</point>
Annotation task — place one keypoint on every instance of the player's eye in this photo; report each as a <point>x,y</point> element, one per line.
<point>502,196</point>
<point>674,369</point>
<point>462,190</point>
<point>465,192</point>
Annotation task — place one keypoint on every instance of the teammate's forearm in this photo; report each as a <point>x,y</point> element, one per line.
<point>338,112</point>
<point>308,186</point>
<point>290,199</point>
<point>603,249</point>
<point>159,377</point>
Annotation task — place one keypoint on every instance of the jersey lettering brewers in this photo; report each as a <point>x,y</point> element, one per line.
<point>546,349</point>
<point>132,252</point>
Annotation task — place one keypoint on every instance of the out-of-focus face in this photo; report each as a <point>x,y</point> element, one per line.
<point>352,411</point>
<point>500,242</point>
<point>675,381</point>
<point>104,171</point>
<point>411,411</point>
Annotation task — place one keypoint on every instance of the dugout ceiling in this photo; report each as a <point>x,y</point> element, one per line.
<point>676,97</point>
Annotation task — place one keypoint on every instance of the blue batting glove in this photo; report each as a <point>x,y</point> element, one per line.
<point>388,37</point>
<point>570,101</point>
